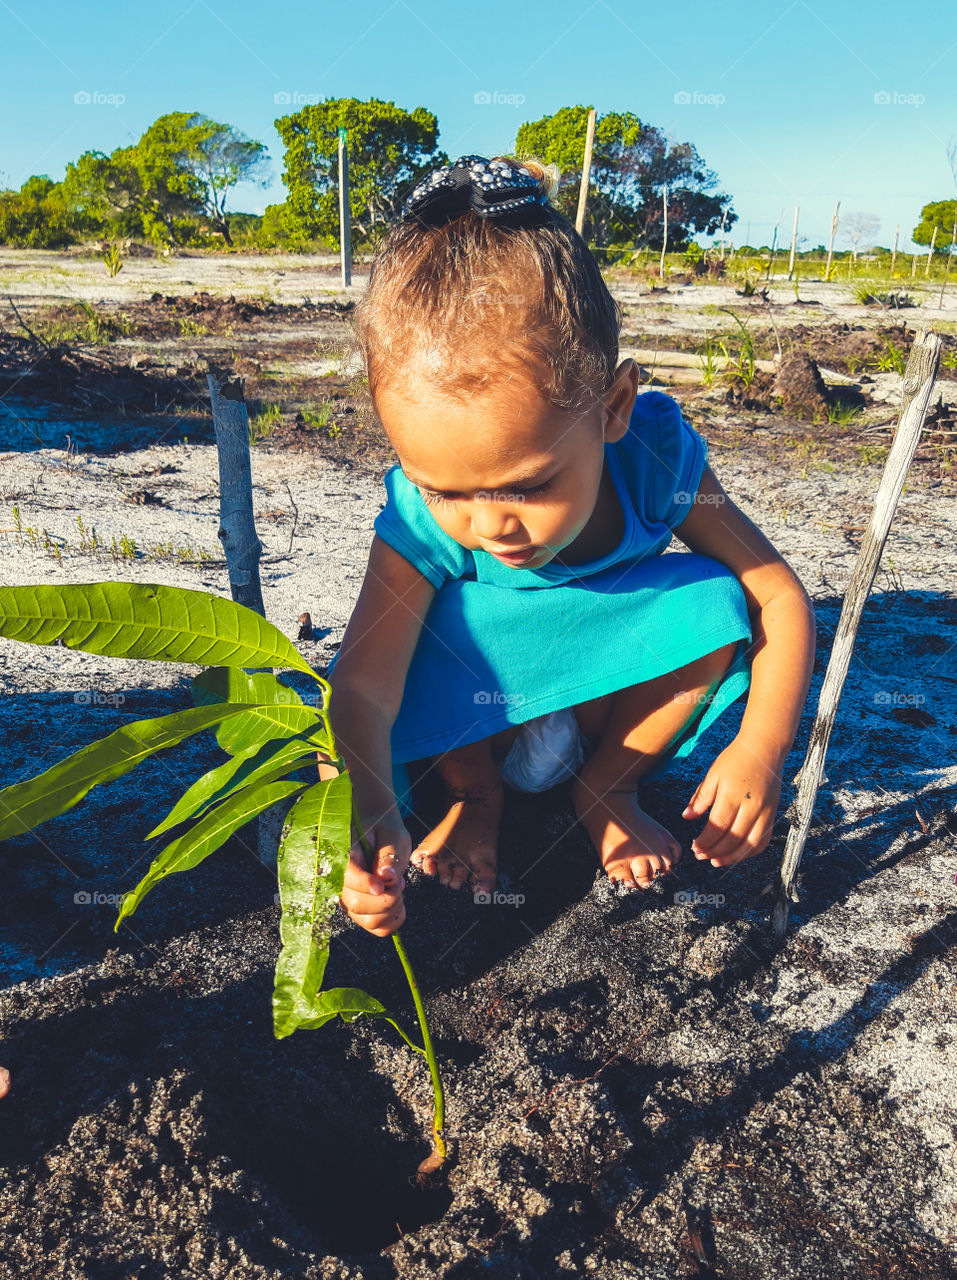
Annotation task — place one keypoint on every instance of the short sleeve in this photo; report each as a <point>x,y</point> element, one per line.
<point>406,524</point>
<point>679,458</point>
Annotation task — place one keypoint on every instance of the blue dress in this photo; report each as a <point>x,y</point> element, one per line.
<point>500,646</point>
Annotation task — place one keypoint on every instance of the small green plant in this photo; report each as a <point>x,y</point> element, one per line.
<point>949,360</point>
<point>264,423</point>
<point>709,366</point>
<point>868,454</point>
<point>190,328</point>
<point>269,734</point>
<point>892,359</point>
<point>842,411</point>
<point>742,366</point>
<point>113,260</point>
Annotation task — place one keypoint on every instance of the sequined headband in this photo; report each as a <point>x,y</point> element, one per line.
<point>490,188</point>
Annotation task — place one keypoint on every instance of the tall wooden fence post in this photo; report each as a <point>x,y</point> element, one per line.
<point>664,230</point>
<point>830,247</point>
<point>930,252</point>
<point>794,241</point>
<point>345,214</point>
<point>919,379</point>
<point>586,172</point>
<point>897,237</point>
<point>241,545</point>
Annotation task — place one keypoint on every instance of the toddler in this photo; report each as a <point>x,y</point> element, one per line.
<point>519,624</point>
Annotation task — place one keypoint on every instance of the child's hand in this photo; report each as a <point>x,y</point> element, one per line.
<point>742,789</point>
<point>374,899</point>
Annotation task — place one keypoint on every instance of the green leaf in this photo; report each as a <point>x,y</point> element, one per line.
<point>233,775</point>
<point>230,684</point>
<point>254,726</point>
<point>313,855</point>
<point>146,620</point>
<point>205,836</point>
<point>24,805</point>
<point>351,1003</point>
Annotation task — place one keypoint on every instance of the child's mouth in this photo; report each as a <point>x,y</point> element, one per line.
<point>514,557</point>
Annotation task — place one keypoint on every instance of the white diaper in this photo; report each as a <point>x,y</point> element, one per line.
<point>547,751</point>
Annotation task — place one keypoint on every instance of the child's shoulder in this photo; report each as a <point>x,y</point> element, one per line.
<point>662,458</point>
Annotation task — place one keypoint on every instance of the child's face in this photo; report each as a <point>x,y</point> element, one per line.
<point>506,472</point>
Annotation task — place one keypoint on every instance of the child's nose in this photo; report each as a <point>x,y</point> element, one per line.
<point>493,520</point>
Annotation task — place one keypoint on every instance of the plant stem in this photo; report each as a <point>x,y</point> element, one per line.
<point>438,1136</point>
<point>437,1158</point>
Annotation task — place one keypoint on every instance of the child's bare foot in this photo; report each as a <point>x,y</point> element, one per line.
<point>633,848</point>
<point>464,845</point>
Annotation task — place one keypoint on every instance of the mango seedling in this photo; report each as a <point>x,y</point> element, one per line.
<point>269,734</point>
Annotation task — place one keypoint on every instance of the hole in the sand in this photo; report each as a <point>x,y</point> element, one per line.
<point>347,1183</point>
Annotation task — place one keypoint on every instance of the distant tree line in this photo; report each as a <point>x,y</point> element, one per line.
<point>172,187</point>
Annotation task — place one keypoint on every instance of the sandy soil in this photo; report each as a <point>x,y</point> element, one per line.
<point>638,1086</point>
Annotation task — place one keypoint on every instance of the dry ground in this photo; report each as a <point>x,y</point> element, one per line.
<point>638,1086</point>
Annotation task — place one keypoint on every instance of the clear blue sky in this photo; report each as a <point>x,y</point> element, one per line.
<point>779,99</point>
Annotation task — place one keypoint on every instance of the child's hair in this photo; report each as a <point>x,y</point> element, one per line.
<point>467,304</point>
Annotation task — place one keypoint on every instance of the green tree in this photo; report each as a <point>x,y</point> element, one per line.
<point>940,214</point>
<point>390,149</point>
<point>35,217</point>
<point>631,162</point>
<point>166,185</point>
<point>214,156</point>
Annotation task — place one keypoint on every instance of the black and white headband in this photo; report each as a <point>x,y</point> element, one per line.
<point>490,188</point>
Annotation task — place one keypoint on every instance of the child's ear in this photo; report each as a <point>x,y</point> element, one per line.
<point>619,400</point>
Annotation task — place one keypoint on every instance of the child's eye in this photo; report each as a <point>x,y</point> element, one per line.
<point>431,498</point>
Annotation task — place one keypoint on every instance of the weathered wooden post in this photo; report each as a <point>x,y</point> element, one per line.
<point>930,252</point>
<point>586,172</point>
<point>237,532</point>
<point>794,241</point>
<point>345,215</point>
<point>664,231</point>
<point>237,528</point>
<point>830,247</point>
<point>919,379</point>
<point>897,237</point>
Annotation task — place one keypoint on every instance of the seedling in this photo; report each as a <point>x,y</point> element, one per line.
<point>269,733</point>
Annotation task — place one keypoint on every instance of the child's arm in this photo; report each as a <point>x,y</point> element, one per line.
<point>743,786</point>
<point>368,681</point>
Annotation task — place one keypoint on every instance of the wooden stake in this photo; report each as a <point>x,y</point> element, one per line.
<point>930,254</point>
<point>237,529</point>
<point>897,236</point>
<point>664,240</point>
<point>237,532</point>
<point>794,240</point>
<point>830,247</point>
<point>950,254</point>
<point>918,385</point>
<point>586,172</point>
<point>345,214</point>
